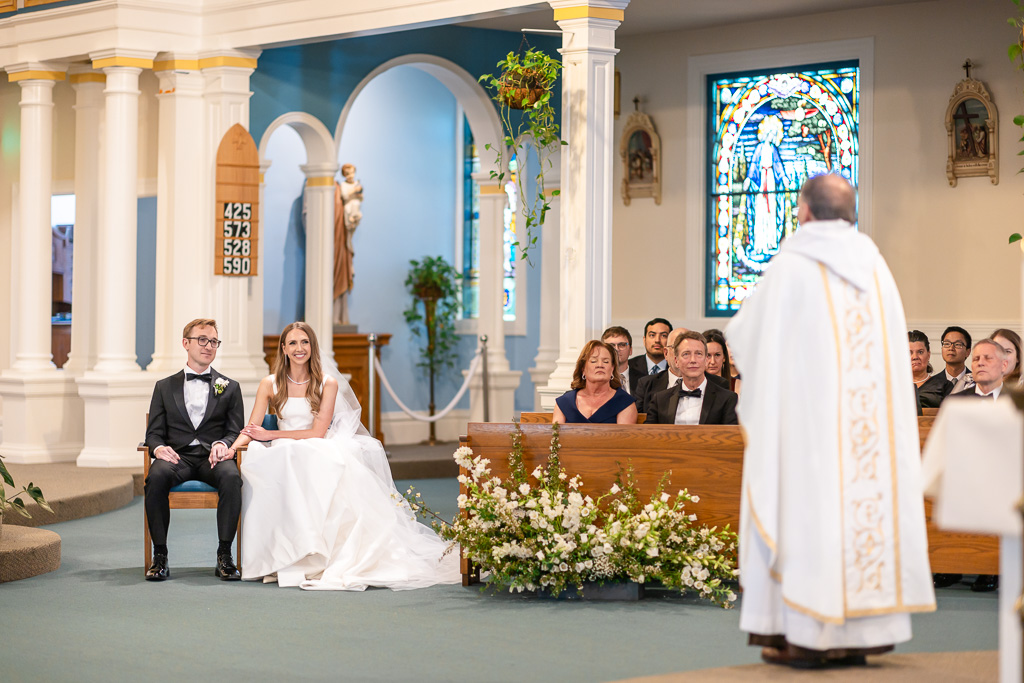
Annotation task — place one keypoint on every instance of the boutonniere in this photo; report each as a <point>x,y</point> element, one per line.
<point>219,385</point>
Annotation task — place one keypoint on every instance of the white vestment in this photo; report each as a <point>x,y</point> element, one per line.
<point>833,548</point>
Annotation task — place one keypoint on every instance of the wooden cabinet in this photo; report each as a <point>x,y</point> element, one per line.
<point>351,353</point>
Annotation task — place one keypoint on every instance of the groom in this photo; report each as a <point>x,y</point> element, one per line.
<point>193,417</point>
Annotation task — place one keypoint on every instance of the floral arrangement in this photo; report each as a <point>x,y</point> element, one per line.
<point>219,385</point>
<point>537,530</point>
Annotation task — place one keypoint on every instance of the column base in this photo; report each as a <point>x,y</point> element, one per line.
<point>544,364</point>
<point>558,383</point>
<point>503,385</point>
<point>43,420</point>
<point>115,418</point>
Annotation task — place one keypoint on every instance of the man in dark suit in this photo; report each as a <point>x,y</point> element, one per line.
<point>194,416</point>
<point>652,384</point>
<point>653,360</point>
<point>956,346</point>
<point>695,399</point>
<point>988,363</point>
<point>621,340</point>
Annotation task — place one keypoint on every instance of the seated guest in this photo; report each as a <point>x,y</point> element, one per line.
<point>956,346</point>
<point>920,355</point>
<point>718,356</point>
<point>653,361</point>
<point>652,384</point>
<point>694,399</point>
<point>596,395</point>
<point>1010,341</point>
<point>988,364</point>
<point>621,340</point>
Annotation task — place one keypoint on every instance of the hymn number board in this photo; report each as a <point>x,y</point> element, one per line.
<point>238,188</point>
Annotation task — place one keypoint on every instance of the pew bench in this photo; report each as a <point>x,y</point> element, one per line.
<point>706,459</point>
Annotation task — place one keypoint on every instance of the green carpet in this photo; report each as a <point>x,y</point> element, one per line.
<point>96,619</point>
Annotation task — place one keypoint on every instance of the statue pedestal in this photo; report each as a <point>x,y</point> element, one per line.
<point>352,354</point>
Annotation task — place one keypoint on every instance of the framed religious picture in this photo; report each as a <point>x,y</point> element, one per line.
<point>972,126</point>
<point>640,150</point>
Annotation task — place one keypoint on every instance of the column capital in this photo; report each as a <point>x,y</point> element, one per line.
<point>121,57</point>
<point>176,61</point>
<point>35,71</point>
<point>238,59</point>
<point>611,10</point>
<point>320,175</point>
<point>84,73</point>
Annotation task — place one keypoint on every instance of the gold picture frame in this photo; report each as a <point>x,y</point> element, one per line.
<point>972,128</point>
<point>640,150</point>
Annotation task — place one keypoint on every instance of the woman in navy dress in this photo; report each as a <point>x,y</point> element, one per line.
<point>596,396</point>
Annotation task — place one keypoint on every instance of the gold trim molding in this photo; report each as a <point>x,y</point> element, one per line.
<point>225,60</point>
<point>588,12</point>
<point>320,181</point>
<point>136,62</point>
<point>36,76</point>
<point>87,78</point>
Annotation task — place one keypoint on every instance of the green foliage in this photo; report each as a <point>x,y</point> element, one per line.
<point>525,83</point>
<point>16,503</point>
<point>1015,237</point>
<point>434,284</point>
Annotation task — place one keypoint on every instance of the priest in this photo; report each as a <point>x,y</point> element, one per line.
<point>833,548</point>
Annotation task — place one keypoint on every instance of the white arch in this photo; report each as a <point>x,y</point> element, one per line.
<point>474,100</point>
<point>320,146</point>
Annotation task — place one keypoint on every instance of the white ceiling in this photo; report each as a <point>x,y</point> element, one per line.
<point>651,16</point>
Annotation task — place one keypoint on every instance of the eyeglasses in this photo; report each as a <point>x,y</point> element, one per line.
<point>206,341</point>
<point>960,346</point>
<point>620,345</point>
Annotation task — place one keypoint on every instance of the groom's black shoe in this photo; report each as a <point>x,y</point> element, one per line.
<point>226,569</point>
<point>159,570</point>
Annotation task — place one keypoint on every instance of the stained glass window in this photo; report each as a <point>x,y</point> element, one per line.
<point>770,131</point>
<point>471,234</point>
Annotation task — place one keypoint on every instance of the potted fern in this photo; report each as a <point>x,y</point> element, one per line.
<point>434,285</point>
<point>15,502</point>
<point>525,83</point>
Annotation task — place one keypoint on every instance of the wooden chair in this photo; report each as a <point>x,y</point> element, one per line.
<point>192,495</point>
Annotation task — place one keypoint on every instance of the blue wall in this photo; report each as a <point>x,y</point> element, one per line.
<point>400,136</point>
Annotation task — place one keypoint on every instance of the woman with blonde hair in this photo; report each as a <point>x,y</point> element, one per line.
<point>319,507</point>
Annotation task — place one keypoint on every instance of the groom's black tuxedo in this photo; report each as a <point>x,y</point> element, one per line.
<point>718,406</point>
<point>170,425</point>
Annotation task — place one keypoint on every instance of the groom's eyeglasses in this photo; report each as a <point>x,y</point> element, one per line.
<point>206,341</point>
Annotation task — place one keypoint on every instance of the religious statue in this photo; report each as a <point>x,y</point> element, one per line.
<point>348,199</point>
<point>766,176</point>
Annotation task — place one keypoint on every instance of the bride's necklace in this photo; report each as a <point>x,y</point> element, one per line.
<point>294,382</point>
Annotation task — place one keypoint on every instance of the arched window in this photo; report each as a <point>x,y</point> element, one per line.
<point>768,132</point>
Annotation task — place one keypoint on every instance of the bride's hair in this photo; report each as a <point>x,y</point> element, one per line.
<point>316,373</point>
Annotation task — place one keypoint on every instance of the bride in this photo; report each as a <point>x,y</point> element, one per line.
<point>319,507</point>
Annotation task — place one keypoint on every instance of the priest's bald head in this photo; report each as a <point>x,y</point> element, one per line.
<point>827,197</point>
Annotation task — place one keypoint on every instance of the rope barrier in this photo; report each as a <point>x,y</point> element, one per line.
<point>473,367</point>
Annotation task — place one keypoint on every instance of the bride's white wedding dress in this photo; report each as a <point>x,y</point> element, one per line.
<point>324,514</point>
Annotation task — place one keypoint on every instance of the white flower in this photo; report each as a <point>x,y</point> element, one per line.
<point>562,475</point>
<point>693,518</point>
<point>652,552</point>
<point>537,472</point>
<point>695,499</point>
<point>563,567</point>
<point>219,385</point>
<point>462,479</point>
<point>664,497</point>
<point>462,500</point>
<point>583,538</point>
<point>540,555</point>
<point>524,489</point>
<point>623,509</point>
<point>615,488</point>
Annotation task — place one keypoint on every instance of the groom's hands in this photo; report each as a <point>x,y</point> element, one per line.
<point>166,453</point>
<point>219,453</point>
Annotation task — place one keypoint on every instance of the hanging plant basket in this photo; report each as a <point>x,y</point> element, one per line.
<point>522,89</point>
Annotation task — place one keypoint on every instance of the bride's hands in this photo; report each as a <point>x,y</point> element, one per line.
<point>256,432</point>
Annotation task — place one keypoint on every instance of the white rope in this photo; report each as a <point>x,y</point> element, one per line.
<point>473,366</point>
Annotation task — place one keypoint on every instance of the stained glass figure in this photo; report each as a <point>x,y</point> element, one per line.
<point>769,132</point>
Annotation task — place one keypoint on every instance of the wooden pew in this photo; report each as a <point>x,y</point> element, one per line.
<point>545,418</point>
<point>708,460</point>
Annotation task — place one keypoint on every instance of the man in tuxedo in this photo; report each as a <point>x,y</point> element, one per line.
<point>652,384</point>
<point>693,399</point>
<point>988,363</point>
<point>653,360</point>
<point>194,416</point>
<point>956,377</point>
<point>621,340</point>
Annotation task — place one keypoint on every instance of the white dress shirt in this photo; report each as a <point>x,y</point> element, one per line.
<point>688,410</point>
<point>624,379</point>
<point>197,395</point>
<point>651,364</point>
<point>994,394</point>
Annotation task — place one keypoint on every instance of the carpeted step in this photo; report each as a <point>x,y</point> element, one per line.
<point>26,552</point>
<point>73,492</point>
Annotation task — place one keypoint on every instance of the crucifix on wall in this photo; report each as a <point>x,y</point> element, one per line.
<point>971,129</point>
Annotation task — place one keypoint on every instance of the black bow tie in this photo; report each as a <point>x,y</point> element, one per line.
<point>693,394</point>
<point>189,376</point>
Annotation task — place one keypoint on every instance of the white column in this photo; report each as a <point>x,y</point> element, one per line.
<point>236,302</point>
<point>588,74</point>
<point>115,391</point>
<point>502,381</point>
<point>319,205</point>
<point>182,287</point>
<point>544,362</point>
<point>39,421</point>
<point>88,85</point>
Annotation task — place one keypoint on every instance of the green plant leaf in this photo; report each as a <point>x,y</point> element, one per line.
<point>1015,237</point>
<point>1013,51</point>
<point>8,479</point>
<point>19,507</point>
